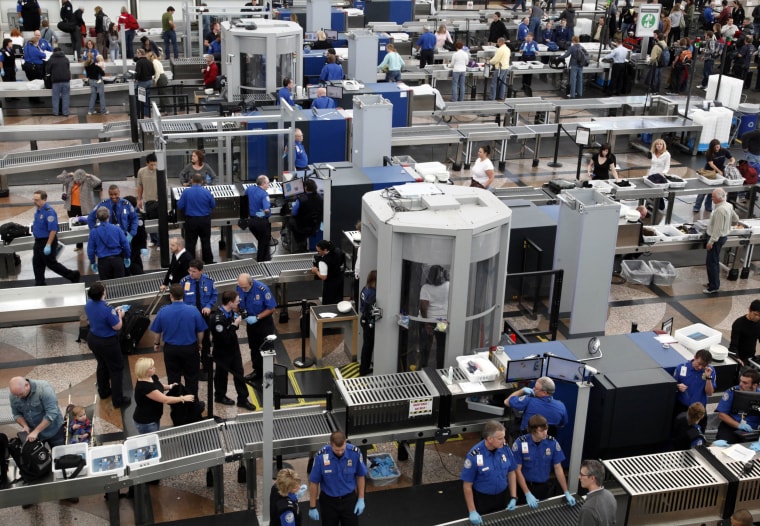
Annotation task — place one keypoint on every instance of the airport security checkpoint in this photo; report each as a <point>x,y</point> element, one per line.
<point>447,233</point>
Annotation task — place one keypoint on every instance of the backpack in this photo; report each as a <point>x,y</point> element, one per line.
<point>581,56</point>
<point>4,461</point>
<point>713,50</point>
<point>748,172</point>
<point>105,23</point>
<point>10,231</point>
<point>664,57</point>
<point>33,459</point>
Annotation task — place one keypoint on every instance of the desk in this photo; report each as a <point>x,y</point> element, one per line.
<point>347,322</point>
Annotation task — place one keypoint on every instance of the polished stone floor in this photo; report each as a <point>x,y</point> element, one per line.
<point>49,351</point>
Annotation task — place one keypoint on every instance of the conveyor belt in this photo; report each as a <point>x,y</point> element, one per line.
<point>429,134</point>
<point>473,107</point>
<point>296,430</point>
<point>551,512</point>
<point>528,193</point>
<point>290,268</point>
<point>22,162</point>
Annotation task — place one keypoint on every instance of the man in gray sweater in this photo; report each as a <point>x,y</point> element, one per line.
<point>600,508</point>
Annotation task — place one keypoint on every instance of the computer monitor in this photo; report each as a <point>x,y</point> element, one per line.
<point>746,402</point>
<point>525,369</point>
<point>331,34</point>
<point>292,188</point>
<point>309,37</point>
<point>564,370</point>
<point>320,185</point>
<point>335,92</point>
<point>313,90</point>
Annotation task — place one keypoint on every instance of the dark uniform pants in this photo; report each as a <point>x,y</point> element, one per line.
<point>40,261</point>
<point>262,231</point>
<point>199,227</point>
<point>111,267</point>
<point>338,510</point>
<point>183,360</point>
<point>229,360</point>
<point>540,490</point>
<point>109,372</point>
<point>490,503</point>
<point>257,335</point>
<point>368,348</point>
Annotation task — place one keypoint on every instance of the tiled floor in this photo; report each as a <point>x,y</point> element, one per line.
<point>49,351</point>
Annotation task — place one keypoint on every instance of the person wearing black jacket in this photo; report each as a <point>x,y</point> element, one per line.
<point>497,29</point>
<point>329,266</point>
<point>306,216</point>
<point>144,76</point>
<point>224,325</point>
<point>60,76</point>
<point>367,302</point>
<point>138,246</point>
<point>69,24</point>
<point>179,264</point>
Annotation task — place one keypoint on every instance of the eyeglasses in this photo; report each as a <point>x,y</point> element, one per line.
<point>583,475</point>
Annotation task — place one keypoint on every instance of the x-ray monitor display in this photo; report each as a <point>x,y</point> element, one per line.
<point>335,92</point>
<point>331,34</point>
<point>526,369</point>
<point>564,370</point>
<point>313,92</point>
<point>292,188</point>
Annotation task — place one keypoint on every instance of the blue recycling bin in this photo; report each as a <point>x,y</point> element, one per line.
<point>747,123</point>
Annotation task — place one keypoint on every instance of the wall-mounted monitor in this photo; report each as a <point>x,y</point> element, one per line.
<point>309,37</point>
<point>564,370</point>
<point>525,369</point>
<point>335,92</point>
<point>331,34</point>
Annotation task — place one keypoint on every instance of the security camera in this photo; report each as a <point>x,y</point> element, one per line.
<point>590,370</point>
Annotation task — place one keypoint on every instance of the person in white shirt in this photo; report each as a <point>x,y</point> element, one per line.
<point>660,158</point>
<point>458,72</point>
<point>434,304</point>
<point>482,171</point>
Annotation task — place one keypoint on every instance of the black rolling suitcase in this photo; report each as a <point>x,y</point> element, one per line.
<point>134,325</point>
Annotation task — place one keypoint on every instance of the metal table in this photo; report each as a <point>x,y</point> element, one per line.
<point>611,127</point>
<point>480,133</point>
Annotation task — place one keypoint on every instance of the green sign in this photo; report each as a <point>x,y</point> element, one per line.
<point>648,21</point>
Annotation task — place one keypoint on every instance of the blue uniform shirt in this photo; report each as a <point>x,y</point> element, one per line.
<point>522,31</point>
<point>563,34</point>
<point>258,201</point>
<point>208,291</point>
<point>126,215</point>
<point>724,406</point>
<point>488,470</point>
<point>102,318</point>
<point>529,50</point>
<point>553,410</point>
<point>337,476</point>
<point>537,460</point>
<point>332,72</point>
<point>302,160</point>
<point>695,392</point>
<point>547,35</point>
<point>196,201</point>
<point>214,48</point>
<point>107,240</point>
<point>284,93</point>
<point>45,221</point>
<point>256,300</point>
<point>426,40</point>
<point>323,103</point>
<point>167,323</point>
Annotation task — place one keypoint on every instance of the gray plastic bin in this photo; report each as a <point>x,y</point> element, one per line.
<point>636,272</point>
<point>663,273</point>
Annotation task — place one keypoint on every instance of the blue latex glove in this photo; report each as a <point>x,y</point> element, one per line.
<point>144,252</point>
<point>129,238</point>
<point>250,320</point>
<point>314,514</point>
<point>528,391</point>
<point>512,504</point>
<point>475,517</point>
<point>46,250</point>
<point>755,446</point>
<point>260,214</point>
<point>359,508</point>
<point>532,501</point>
<point>94,267</point>
<point>2,72</point>
<point>127,262</point>
<point>569,498</point>
<point>125,308</point>
<point>744,426</point>
<point>21,21</point>
<point>302,491</point>
<point>720,443</point>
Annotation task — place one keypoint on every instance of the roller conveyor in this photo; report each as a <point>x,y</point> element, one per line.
<point>296,430</point>
<point>289,268</point>
<point>483,132</point>
<point>528,193</point>
<point>429,134</point>
<point>467,107</point>
<point>22,162</point>
<point>551,512</point>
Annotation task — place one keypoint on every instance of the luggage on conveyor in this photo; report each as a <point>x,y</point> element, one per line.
<point>557,185</point>
<point>134,325</point>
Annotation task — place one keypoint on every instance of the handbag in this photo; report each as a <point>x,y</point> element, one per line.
<point>64,195</point>
<point>732,172</point>
<point>70,461</point>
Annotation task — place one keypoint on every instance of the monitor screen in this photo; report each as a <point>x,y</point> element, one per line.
<point>746,402</point>
<point>292,188</point>
<point>526,369</point>
<point>313,92</point>
<point>565,370</point>
<point>335,92</point>
<point>331,34</point>
<point>320,185</point>
<point>310,37</point>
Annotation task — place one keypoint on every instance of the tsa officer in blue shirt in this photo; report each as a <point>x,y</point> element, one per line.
<point>200,292</point>
<point>259,305</point>
<point>285,91</point>
<point>338,477</point>
<point>488,466</point>
<point>536,455</point>
<point>749,379</point>
<point>539,401</point>
<point>122,213</point>
<point>45,231</point>
<point>426,46</point>
<point>301,162</point>
<point>696,381</point>
<point>181,327</point>
<point>107,248</point>
<point>322,102</point>
<point>259,211</point>
<point>103,341</point>
<point>197,203</point>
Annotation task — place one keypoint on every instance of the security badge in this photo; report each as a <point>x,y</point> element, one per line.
<point>326,459</point>
<point>548,452</point>
<point>349,463</point>
<point>479,460</point>
<point>525,449</point>
<point>187,286</point>
<point>683,371</point>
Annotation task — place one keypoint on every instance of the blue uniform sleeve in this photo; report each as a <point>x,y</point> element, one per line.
<point>516,454</point>
<point>324,73</point>
<point>469,471</point>
<point>558,456</point>
<point>214,295</point>
<point>519,402</point>
<point>361,467</point>
<point>316,471</point>
<point>91,219</point>
<point>212,201</point>
<point>200,323</point>
<point>112,317</point>
<point>133,221</point>
<point>724,406</point>
<point>512,462</point>
<point>269,301</point>
<point>126,250</point>
<point>156,326</point>
<point>92,245</point>
<point>182,201</point>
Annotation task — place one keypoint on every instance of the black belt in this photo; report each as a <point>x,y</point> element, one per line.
<point>101,258</point>
<point>346,496</point>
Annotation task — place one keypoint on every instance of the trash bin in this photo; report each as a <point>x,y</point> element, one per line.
<point>747,114</point>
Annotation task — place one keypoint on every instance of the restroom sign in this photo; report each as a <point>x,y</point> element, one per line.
<point>649,20</point>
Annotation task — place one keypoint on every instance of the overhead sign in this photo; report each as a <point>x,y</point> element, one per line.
<point>649,20</point>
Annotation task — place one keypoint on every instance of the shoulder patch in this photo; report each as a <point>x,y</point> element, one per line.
<point>290,518</point>
<point>467,463</point>
<point>515,446</point>
<point>725,397</point>
<point>50,219</point>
